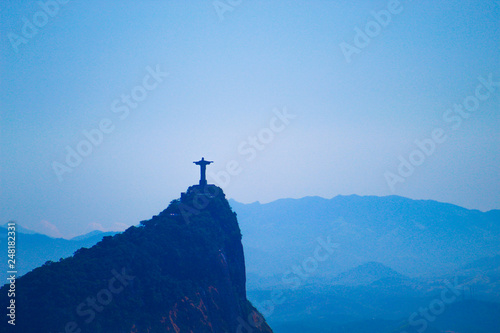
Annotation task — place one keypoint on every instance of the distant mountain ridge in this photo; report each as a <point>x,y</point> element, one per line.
<point>35,249</point>
<point>366,274</point>
<point>20,228</point>
<point>93,234</point>
<point>384,242</point>
<point>414,237</point>
<point>366,228</point>
<point>23,230</point>
<point>394,256</point>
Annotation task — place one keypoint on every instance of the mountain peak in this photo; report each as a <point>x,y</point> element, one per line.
<point>366,273</point>
<point>20,229</point>
<point>181,271</point>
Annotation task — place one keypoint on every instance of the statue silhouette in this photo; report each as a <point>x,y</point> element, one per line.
<point>203,168</point>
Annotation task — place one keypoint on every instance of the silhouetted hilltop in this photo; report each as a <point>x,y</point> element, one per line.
<point>366,274</point>
<point>181,271</point>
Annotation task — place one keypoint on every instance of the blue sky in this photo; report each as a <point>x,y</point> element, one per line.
<point>228,76</point>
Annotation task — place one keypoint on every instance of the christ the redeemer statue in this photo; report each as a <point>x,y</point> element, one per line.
<point>203,168</point>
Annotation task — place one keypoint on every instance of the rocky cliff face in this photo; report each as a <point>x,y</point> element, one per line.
<point>181,271</point>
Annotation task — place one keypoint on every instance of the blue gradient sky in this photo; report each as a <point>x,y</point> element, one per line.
<point>353,119</point>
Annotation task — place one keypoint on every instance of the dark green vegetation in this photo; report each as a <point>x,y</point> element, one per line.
<point>181,271</point>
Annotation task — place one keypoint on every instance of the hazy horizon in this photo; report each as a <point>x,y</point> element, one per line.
<point>55,233</point>
<point>104,107</point>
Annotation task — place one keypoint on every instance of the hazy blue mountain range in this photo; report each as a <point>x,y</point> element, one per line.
<point>19,228</point>
<point>366,274</point>
<point>393,256</point>
<point>33,249</point>
<point>488,265</point>
<point>413,237</point>
<point>375,298</point>
<point>389,256</point>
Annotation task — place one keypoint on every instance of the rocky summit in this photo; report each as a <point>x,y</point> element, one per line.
<point>181,271</point>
